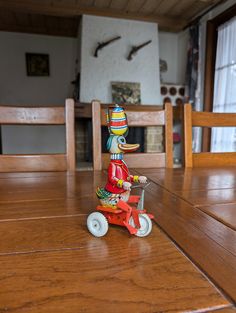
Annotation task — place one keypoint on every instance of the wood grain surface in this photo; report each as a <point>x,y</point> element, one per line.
<point>170,16</point>
<point>208,242</point>
<point>197,186</point>
<point>216,159</point>
<point>43,208</point>
<point>42,234</point>
<point>213,119</point>
<point>40,116</point>
<point>27,162</point>
<point>204,197</point>
<point>117,273</point>
<point>50,262</point>
<point>225,310</point>
<point>225,213</point>
<point>191,179</point>
<point>32,115</point>
<point>43,187</point>
<point>208,120</point>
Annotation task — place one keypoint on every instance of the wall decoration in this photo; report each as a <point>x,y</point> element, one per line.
<point>37,64</point>
<point>101,45</point>
<point>164,90</point>
<point>135,49</point>
<point>125,92</point>
<point>173,93</point>
<point>181,91</point>
<point>166,100</point>
<point>163,68</point>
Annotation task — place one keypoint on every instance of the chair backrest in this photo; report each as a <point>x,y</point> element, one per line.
<point>206,119</point>
<point>138,116</point>
<point>10,115</point>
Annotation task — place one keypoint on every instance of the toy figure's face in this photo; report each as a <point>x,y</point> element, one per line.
<point>117,144</point>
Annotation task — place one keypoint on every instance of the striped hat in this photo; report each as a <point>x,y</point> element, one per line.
<point>118,122</point>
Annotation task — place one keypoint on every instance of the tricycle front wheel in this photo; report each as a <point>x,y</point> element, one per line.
<point>145,225</point>
<point>97,224</point>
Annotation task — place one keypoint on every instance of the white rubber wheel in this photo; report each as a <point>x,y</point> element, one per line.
<point>145,225</point>
<point>97,224</point>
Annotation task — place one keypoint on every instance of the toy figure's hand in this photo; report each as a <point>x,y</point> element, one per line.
<point>126,185</point>
<point>142,179</point>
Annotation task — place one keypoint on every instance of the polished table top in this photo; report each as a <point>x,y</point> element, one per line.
<point>198,210</point>
<point>51,263</point>
<point>211,190</point>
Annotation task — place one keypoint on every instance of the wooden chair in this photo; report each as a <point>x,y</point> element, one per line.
<point>138,116</point>
<point>206,119</point>
<point>40,116</point>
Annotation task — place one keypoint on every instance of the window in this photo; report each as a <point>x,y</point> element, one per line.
<point>210,66</point>
<point>224,100</point>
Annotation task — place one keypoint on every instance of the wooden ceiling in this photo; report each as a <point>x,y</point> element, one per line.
<point>61,17</point>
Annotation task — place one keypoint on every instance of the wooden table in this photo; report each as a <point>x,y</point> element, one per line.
<point>51,263</point>
<point>197,209</point>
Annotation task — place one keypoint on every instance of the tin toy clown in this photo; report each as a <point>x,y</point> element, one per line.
<point>119,180</point>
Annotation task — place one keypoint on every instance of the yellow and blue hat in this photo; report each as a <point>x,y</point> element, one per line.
<point>117,123</point>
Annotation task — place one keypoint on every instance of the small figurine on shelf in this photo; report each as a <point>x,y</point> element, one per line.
<point>115,196</point>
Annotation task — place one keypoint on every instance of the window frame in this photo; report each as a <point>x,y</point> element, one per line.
<point>210,59</point>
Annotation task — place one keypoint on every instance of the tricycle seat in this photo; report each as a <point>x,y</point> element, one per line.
<point>109,209</point>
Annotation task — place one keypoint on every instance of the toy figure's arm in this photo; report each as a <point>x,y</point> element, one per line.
<point>138,179</point>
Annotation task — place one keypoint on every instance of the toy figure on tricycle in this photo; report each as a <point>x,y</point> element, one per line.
<point>130,214</point>
<point>117,206</point>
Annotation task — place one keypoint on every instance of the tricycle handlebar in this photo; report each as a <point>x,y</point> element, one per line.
<point>142,186</point>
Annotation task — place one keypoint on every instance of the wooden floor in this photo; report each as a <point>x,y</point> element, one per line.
<point>51,263</point>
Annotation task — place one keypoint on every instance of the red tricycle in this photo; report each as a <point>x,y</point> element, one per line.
<point>130,214</point>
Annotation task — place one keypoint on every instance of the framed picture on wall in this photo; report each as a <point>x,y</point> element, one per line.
<point>126,92</point>
<point>37,64</point>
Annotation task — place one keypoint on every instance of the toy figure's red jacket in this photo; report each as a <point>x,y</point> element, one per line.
<point>117,170</point>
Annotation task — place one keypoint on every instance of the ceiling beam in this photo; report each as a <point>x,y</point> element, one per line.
<point>42,30</point>
<point>72,10</point>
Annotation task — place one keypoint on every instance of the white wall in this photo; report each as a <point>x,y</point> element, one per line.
<point>182,56</point>
<point>173,49</point>
<point>169,53</point>
<point>112,65</point>
<point>18,88</point>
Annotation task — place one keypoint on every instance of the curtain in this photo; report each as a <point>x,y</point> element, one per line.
<point>223,139</point>
<point>192,63</point>
<point>193,79</point>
